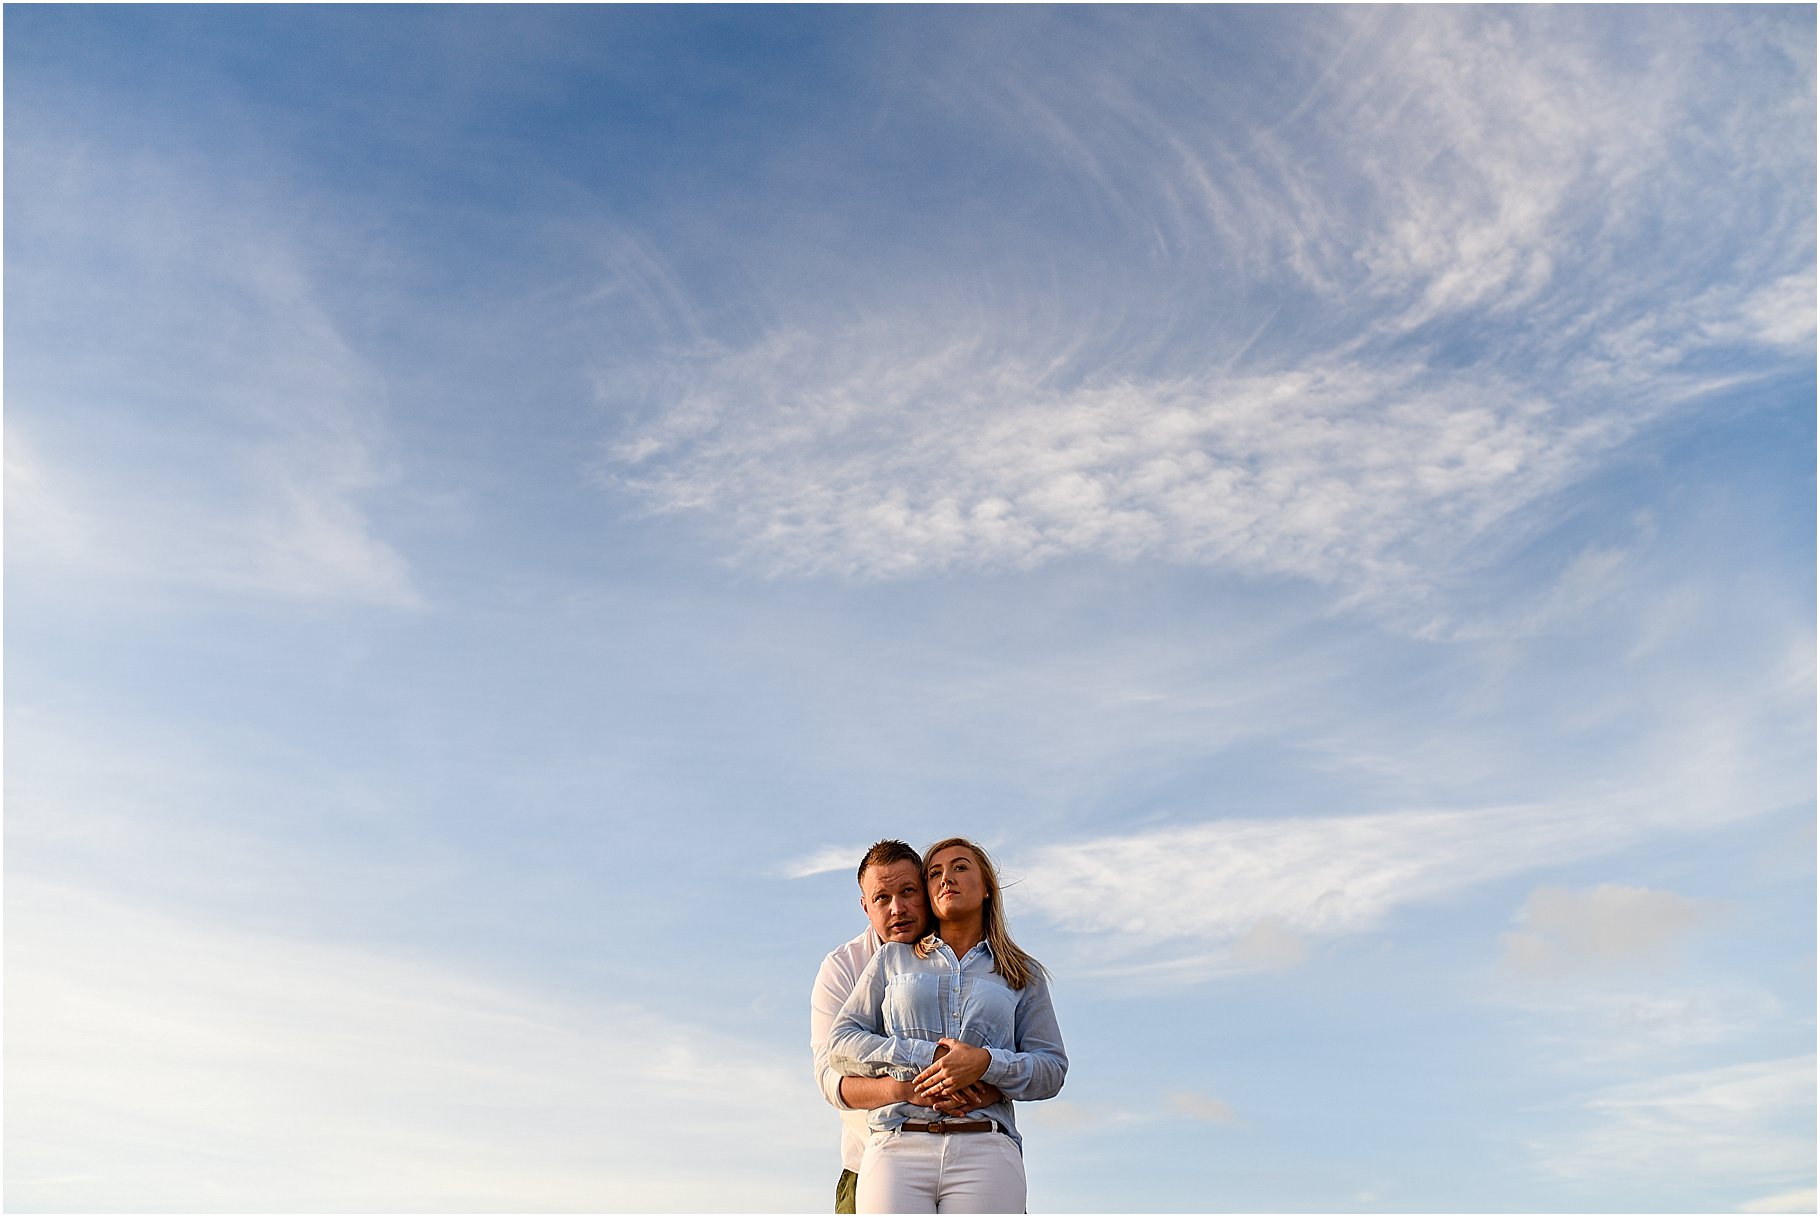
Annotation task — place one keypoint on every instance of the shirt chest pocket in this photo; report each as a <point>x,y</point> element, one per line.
<point>913,1005</point>
<point>989,1011</point>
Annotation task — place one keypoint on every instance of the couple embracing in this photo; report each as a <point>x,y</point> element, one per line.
<point>925,1028</point>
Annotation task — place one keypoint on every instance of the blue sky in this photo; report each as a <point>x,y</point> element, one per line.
<point>503,504</point>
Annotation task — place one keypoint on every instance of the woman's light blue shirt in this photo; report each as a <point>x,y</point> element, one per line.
<point>901,1005</point>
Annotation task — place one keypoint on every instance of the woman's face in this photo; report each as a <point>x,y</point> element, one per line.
<point>957,887</point>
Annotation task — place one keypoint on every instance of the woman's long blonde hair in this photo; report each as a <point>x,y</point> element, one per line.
<point>1008,959</point>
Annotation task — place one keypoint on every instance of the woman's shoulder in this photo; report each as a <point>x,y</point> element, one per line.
<point>1036,980</point>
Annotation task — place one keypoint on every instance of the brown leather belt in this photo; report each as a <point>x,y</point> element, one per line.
<point>948,1126</point>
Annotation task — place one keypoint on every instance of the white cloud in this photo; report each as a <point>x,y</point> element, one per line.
<point>1746,1126</point>
<point>1318,875</point>
<point>1801,1200</point>
<point>1586,979</point>
<point>1247,894</point>
<point>1061,1114</point>
<point>156,1061</point>
<point>1201,1107</point>
<point>1778,315</point>
<point>1678,753</point>
<point>1067,1116</point>
<point>39,517</point>
<point>1269,947</point>
<point>820,862</point>
<point>1611,924</point>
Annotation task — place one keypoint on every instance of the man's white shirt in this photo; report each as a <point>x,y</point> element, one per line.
<point>833,983</point>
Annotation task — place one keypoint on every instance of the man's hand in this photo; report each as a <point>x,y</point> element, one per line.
<point>876,1092</point>
<point>971,1098</point>
<point>957,1066</point>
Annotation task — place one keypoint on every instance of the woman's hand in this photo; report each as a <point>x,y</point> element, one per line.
<point>957,1066</point>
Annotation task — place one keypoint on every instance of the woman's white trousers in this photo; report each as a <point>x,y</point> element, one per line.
<point>920,1172</point>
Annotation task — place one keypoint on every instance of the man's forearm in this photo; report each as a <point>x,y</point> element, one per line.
<point>873,1092</point>
<point>867,1093</point>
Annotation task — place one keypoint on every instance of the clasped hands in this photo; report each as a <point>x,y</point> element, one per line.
<point>952,1083</point>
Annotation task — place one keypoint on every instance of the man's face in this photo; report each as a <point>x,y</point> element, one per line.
<point>892,896</point>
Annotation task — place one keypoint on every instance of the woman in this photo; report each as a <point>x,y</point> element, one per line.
<point>964,1005</point>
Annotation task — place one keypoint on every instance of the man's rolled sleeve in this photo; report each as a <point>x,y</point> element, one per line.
<point>824,1007</point>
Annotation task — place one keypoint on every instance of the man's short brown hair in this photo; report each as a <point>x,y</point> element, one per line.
<point>887,852</point>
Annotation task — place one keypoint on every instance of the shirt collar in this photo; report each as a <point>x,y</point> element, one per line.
<point>982,943</point>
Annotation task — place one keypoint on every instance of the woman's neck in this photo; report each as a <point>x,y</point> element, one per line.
<point>963,934</point>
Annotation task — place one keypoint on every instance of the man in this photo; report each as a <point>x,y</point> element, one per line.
<point>897,910</point>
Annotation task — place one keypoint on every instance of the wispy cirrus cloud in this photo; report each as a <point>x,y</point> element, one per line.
<point>279,518</point>
<point>1666,749</point>
<point>1748,1125</point>
<point>1595,978</point>
<point>821,861</point>
<point>231,438</point>
<point>1252,894</point>
<point>899,465</point>
<point>1465,224</point>
<point>1601,1021</point>
<point>1316,875</point>
<point>1434,162</point>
